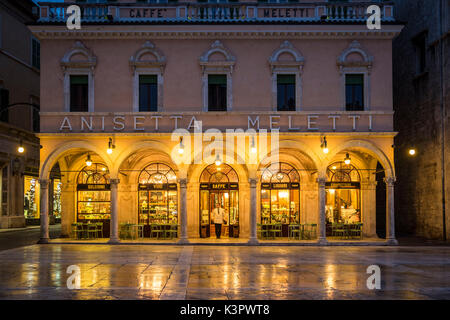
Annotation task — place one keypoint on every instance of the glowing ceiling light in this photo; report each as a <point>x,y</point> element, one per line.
<point>181,146</point>
<point>347,159</point>
<point>88,161</point>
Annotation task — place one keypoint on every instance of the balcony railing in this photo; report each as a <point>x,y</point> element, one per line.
<point>200,12</point>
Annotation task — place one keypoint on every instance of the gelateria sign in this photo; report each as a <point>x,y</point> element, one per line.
<point>167,122</point>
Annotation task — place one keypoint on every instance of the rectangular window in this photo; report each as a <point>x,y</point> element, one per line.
<point>35,53</point>
<point>286,92</point>
<point>354,92</point>
<point>420,43</point>
<point>4,102</point>
<point>148,93</point>
<point>217,92</point>
<point>79,93</point>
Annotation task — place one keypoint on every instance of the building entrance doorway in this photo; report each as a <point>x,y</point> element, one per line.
<point>219,187</point>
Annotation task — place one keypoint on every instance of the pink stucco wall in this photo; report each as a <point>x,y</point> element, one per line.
<point>322,87</point>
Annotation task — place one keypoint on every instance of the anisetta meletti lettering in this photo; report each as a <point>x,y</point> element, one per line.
<point>168,123</point>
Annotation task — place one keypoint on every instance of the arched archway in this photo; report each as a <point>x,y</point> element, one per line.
<point>369,160</point>
<point>280,195</point>
<point>157,198</point>
<point>219,200</point>
<point>71,157</point>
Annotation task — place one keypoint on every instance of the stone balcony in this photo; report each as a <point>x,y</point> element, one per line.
<point>318,12</point>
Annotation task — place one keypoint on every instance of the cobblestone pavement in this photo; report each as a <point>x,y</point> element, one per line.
<point>208,272</point>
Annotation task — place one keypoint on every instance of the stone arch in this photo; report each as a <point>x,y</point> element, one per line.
<point>79,49</point>
<point>287,47</point>
<point>69,147</point>
<point>309,159</point>
<point>365,147</point>
<point>143,145</point>
<point>195,171</point>
<point>217,47</point>
<point>354,47</point>
<point>148,48</point>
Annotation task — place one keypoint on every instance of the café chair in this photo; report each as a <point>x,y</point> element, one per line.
<point>262,233</point>
<point>77,231</point>
<point>92,230</point>
<point>99,230</point>
<point>275,230</point>
<point>172,232</point>
<point>156,231</point>
<point>294,231</point>
<point>356,230</point>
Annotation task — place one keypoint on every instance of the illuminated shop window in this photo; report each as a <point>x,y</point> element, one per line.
<point>158,195</point>
<point>94,196</point>
<point>343,194</point>
<point>31,198</point>
<point>280,195</point>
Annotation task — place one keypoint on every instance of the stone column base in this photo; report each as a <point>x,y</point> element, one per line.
<point>392,242</point>
<point>43,241</point>
<point>253,242</point>
<point>183,241</point>
<point>113,241</point>
<point>322,241</point>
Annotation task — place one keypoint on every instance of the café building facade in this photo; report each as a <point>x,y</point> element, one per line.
<point>278,112</point>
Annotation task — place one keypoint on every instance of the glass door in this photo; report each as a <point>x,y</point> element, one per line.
<point>223,198</point>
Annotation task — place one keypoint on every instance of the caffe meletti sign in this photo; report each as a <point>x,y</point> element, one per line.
<point>165,122</point>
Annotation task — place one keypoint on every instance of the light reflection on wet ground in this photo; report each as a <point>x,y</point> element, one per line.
<point>206,272</point>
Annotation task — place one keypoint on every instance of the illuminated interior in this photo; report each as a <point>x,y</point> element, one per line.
<point>94,196</point>
<point>343,194</point>
<point>158,195</point>
<point>280,194</point>
<point>219,185</point>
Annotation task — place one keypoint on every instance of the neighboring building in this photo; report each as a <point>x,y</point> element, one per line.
<point>421,102</point>
<point>19,115</point>
<point>309,72</point>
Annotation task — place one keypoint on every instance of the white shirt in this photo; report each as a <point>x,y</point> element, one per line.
<point>218,214</point>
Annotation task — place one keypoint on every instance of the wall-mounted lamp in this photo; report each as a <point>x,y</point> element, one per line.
<point>324,145</point>
<point>347,159</point>
<point>88,160</point>
<point>218,161</point>
<point>181,146</point>
<point>253,146</point>
<point>111,146</point>
<point>412,152</point>
<point>21,149</point>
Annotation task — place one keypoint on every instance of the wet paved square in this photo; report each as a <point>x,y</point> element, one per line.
<point>223,272</point>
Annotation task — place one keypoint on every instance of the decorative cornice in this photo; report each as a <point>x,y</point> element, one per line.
<point>202,34</point>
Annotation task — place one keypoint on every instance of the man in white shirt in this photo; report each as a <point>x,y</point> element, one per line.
<point>218,215</point>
